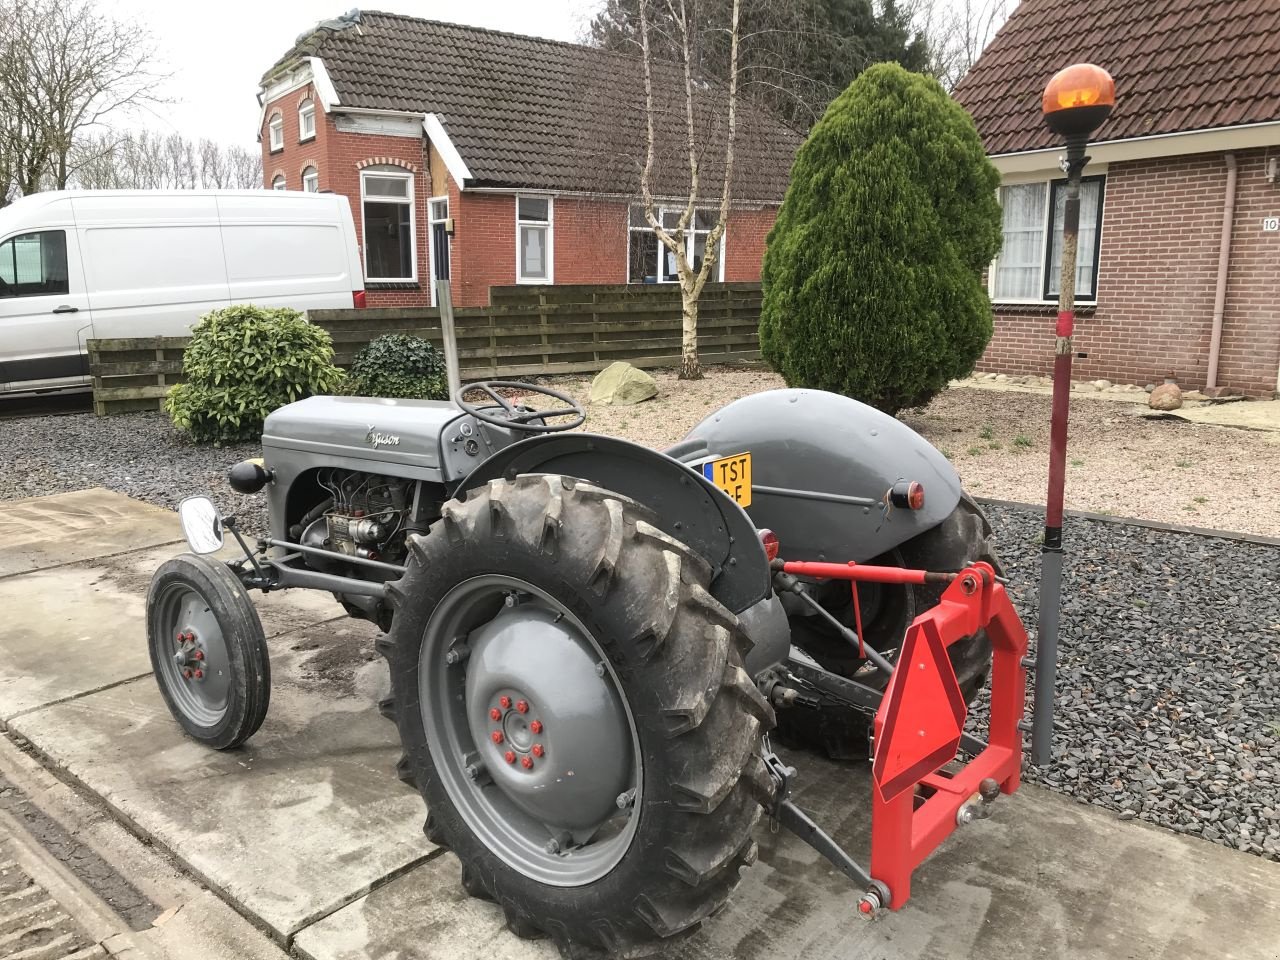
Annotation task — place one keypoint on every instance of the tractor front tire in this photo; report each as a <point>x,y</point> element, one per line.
<point>529,605</point>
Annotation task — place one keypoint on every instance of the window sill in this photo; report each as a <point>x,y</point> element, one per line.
<point>275,152</point>
<point>392,285</point>
<point>1023,308</point>
<point>307,139</point>
<point>534,281</point>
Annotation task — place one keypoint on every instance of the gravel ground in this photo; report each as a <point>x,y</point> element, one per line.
<point>1169,684</point>
<point>1168,693</point>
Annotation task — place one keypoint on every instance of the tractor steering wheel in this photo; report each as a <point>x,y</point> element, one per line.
<point>520,418</point>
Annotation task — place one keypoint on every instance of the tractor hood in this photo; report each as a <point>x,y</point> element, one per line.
<point>821,469</point>
<point>403,433</point>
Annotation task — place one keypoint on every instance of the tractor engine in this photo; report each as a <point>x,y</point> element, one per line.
<point>365,516</point>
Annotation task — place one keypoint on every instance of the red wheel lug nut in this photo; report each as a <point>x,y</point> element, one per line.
<point>509,756</point>
<point>191,636</point>
<point>526,762</point>
<point>199,674</point>
<point>536,726</point>
<point>505,701</point>
<point>186,674</point>
<point>496,736</point>
<point>522,706</point>
<point>199,654</point>
<point>537,750</point>
<point>495,714</point>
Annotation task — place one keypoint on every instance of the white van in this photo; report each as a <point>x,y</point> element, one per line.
<point>106,264</point>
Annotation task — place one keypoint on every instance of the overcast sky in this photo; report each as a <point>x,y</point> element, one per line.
<point>217,53</point>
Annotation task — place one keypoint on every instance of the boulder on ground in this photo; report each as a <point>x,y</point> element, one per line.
<point>621,384</point>
<point>1167,396</point>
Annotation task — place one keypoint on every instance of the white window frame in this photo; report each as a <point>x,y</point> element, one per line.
<point>312,174</point>
<point>1046,239</point>
<point>551,232</point>
<point>278,182</point>
<point>432,220</point>
<point>690,240</point>
<point>306,111</point>
<point>413,222</point>
<point>275,132</point>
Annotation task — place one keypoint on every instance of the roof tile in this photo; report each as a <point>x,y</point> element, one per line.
<point>1178,65</point>
<point>541,114</point>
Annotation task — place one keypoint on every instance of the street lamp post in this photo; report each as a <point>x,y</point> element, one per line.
<point>1076,102</point>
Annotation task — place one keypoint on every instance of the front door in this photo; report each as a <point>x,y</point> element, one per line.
<point>44,312</point>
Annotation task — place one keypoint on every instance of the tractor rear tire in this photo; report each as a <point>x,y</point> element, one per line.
<point>842,733</point>
<point>636,600</point>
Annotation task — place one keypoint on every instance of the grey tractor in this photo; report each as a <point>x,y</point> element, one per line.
<point>589,641</point>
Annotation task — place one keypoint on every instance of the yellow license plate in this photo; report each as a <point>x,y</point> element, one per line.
<point>732,475</point>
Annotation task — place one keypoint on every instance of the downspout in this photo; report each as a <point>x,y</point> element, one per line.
<point>1224,266</point>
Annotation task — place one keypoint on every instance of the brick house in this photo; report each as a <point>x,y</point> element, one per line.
<point>492,158</point>
<point>1179,258</point>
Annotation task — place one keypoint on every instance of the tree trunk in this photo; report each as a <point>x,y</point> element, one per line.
<point>690,368</point>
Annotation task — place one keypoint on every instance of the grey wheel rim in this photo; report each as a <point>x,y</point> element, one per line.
<point>191,654</point>
<point>529,730</point>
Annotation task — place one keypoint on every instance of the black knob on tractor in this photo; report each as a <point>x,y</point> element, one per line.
<point>248,476</point>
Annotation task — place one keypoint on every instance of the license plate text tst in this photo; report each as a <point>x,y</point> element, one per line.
<point>732,475</point>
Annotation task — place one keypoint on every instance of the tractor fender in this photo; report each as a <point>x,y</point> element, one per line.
<point>821,469</point>
<point>688,507</point>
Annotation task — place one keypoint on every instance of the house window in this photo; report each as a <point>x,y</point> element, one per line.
<point>1030,262</point>
<point>533,239</point>
<point>310,180</point>
<point>387,206</point>
<point>306,120</point>
<point>649,261</point>
<point>34,265</point>
<point>275,133</point>
<point>278,182</point>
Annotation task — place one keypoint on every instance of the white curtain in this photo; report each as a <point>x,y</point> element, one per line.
<point>1021,262</point>
<point>1087,244</point>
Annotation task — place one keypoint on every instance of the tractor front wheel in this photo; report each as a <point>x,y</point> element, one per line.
<point>208,651</point>
<point>573,709</point>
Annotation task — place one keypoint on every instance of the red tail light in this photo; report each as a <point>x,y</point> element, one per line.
<point>769,540</point>
<point>908,495</point>
<point>357,299</point>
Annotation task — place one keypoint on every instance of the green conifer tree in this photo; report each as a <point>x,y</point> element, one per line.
<point>873,272</point>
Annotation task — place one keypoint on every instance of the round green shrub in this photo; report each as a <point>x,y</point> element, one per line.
<point>398,365</point>
<point>242,363</point>
<point>873,271</point>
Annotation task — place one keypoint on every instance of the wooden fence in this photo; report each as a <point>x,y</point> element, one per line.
<point>525,331</point>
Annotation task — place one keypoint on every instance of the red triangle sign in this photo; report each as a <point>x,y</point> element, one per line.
<point>922,714</point>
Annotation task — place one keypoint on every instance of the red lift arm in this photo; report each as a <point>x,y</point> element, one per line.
<point>916,804</point>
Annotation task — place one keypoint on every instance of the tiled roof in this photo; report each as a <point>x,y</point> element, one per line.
<point>1178,65</point>
<point>533,113</point>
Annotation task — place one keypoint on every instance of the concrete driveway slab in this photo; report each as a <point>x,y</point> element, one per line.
<point>45,532</point>
<point>304,818</point>
<point>74,629</point>
<point>1045,878</point>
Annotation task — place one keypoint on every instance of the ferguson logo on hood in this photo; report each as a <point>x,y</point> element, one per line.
<point>379,439</point>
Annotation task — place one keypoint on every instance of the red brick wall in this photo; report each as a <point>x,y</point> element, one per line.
<point>589,235</point>
<point>1162,222</point>
<point>745,241</point>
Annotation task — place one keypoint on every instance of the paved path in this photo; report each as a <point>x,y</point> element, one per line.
<point>306,832</point>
